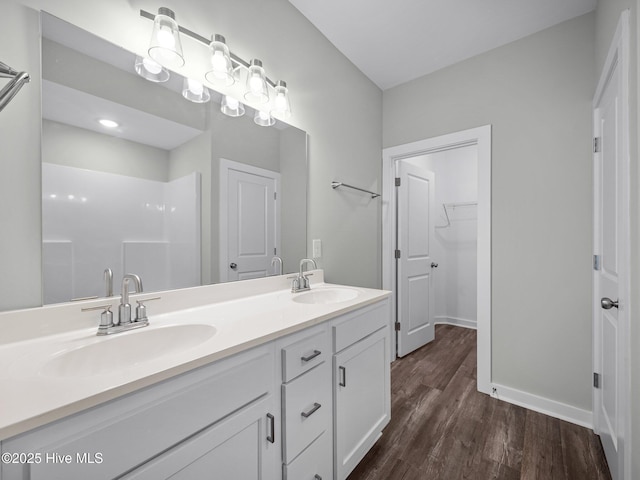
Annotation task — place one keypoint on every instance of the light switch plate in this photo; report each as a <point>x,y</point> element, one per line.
<point>317,248</point>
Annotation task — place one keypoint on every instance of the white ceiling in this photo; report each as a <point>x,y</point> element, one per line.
<point>394,41</point>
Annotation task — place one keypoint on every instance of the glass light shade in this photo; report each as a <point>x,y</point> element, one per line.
<point>256,89</point>
<point>264,119</point>
<point>231,107</point>
<point>281,105</point>
<point>194,91</point>
<point>151,70</point>
<point>165,47</point>
<point>221,72</point>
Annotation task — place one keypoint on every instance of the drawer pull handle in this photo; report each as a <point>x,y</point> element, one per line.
<point>317,477</point>
<point>311,357</point>
<point>272,423</point>
<point>313,410</point>
<point>343,376</point>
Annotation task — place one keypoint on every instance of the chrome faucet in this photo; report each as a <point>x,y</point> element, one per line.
<point>124,321</point>
<point>124,310</point>
<point>301,282</point>
<point>277,260</point>
<point>108,282</point>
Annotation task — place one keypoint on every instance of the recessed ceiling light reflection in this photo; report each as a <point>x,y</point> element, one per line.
<point>105,122</point>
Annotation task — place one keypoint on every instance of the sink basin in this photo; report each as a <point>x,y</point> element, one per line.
<point>125,350</point>
<point>324,296</point>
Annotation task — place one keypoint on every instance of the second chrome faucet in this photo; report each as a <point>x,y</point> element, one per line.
<point>301,281</point>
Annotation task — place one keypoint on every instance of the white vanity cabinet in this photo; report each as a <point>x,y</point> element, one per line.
<point>361,373</point>
<point>307,405</point>
<point>221,416</point>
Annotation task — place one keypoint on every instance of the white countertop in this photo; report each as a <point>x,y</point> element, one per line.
<point>37,391</point>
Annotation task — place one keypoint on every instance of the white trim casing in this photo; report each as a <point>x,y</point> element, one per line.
<point>480,136</point>
<point>543,405</point>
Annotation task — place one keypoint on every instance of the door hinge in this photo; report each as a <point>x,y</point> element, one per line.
<point>397,253</point>
<point>274,251</point>
<point>596,145</point>
<point>398,181</point>
<point>397,326</point>
<point>596,380</point>
<point>596,262</point>
<point>275,195</point>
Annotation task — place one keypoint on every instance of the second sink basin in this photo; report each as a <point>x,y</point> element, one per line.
<point>323,296</point>
<point>125,350</point>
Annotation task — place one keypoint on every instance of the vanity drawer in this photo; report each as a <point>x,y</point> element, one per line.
<point>357,325</point>
<point>306,410</point>
<point>305,354</point>
<point>315,463</point>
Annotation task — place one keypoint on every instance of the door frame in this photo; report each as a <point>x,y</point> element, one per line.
<point>223,220</point>
<point>480,136</point>
<point>618,56</point>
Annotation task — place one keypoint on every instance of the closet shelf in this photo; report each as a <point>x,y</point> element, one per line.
<point>455,205</point>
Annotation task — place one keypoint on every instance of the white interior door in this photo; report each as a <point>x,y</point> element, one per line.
<point>610,270</point>
<point>415,267</point>
<point>252,221</point>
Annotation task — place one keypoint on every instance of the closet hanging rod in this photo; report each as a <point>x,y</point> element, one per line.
<point>18,79</point>
<point>460,204</point>
<point>335,185</point>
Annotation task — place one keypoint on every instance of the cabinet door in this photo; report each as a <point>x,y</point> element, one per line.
<point>362,399</point>
<point>243,447</point>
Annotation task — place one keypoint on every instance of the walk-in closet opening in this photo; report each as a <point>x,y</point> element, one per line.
<point>437,239</point>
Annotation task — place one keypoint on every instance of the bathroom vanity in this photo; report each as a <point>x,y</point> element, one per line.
<point>241,380</point>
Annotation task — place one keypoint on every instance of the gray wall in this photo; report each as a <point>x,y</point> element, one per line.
<point>20,195</point>
<point>607,16</point>
<point>536,92</point>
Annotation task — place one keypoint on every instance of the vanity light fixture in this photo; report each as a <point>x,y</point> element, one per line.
<point>231,107</point>
<point>256,89</point>
<point>105,122</point>
<point>195,91</point>
<point>165,47</point>
<point>221,67</point>
<point>151,70</point>
<point>281,104</point>
<point>264,119</point>
<point>226,67</point>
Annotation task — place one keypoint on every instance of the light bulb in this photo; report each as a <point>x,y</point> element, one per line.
<point>232,103</point>
<point>195,87</point>
<point>165,38</point>
<point>280,102</point>
<point>152,66</point>
<point>255,84</point>
<point>218,62</point>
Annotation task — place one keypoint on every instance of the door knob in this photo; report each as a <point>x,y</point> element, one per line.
<point>608,304</point>
<point>434,265</point>
<point>233,266</point>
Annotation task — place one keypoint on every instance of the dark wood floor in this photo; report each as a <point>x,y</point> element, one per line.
<point>442,428</point>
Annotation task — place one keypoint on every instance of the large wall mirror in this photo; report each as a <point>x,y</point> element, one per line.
<point>173,191</point>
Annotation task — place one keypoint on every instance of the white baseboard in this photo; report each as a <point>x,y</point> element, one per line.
<point>555,409</point>
<point>458,322</point>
